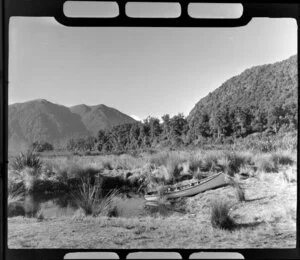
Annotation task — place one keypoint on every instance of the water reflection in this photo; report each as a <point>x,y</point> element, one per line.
<point>65,205</point>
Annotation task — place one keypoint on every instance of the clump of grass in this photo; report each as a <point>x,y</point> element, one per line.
<point>232,162</point>
<point>220,215</point>
<point>247,170</point>
<point>128,162</point>
<point>265,163</point>
<point>282,159</point>
<point>173,161</point>
<point>14,196</point>
<point>107,165</point>
<point>173,168</point>
<point>195,162</point>
<point>27,159</point>
<point>39,215</point>
<point>113,211</point>
<point>290,175</point>
<point>240,193</point>
<point>198,175</point>
<point>29,177</point>
<point>210,161</point>
<point>89,198</point>
<point>105,206</point>
<point>69,169</point>
<point>159,158</point>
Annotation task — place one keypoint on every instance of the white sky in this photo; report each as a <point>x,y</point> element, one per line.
<point>139,71</point>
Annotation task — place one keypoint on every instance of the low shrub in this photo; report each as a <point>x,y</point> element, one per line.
<point>41,146</point>
<point>220,215</point>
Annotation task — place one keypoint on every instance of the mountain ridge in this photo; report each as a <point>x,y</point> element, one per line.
<point>42,120</point>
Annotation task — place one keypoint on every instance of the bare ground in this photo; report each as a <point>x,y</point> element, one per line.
<point>267,219</point>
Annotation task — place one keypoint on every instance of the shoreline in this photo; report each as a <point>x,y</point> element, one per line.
<point>263,221</point>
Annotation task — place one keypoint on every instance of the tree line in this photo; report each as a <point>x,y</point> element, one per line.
<point>177,131</point>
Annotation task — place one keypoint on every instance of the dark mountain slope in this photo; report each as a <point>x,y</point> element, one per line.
<point>100,117</point>
<point>43,120</point>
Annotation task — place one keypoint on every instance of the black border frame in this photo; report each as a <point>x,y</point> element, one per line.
<point>53,8</point>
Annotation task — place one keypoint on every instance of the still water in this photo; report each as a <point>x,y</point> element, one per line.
<point>65,205</point>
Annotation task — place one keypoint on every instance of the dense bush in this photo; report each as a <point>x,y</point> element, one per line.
<point>83,144</point>
<point>40,146</point>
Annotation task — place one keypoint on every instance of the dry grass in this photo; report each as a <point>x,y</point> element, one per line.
<point>262,221</point>
<point>220,215</point>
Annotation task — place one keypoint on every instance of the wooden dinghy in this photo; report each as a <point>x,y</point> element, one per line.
<point>191,189</point>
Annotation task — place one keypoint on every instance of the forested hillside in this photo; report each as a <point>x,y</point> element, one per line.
<point>259,98</point>
<point>262,99</point>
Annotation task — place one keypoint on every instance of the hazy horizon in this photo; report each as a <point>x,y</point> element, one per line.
<point>122,65</point>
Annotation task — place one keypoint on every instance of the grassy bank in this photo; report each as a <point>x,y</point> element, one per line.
<point>31,173</point>
<point>265,219</point>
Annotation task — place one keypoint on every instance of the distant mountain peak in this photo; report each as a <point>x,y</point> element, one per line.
<point>96,117</point>
<point>40,119</point>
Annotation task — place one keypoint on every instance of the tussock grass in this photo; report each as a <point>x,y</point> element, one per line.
<point>30,177</point>
<point>290,175</point>
<point>196,161</point>
<point>265,163</point>
<point>172,161</point>
<point>128,162</point>
<point>232,162</point>
<point>220,215</point>
<point>89,198</point>
<point>70,169</point>
<point>14,196</point>
<point>282,158</point>
<point>29,159</point>
<point>126,172</point>
<point>210,161</point>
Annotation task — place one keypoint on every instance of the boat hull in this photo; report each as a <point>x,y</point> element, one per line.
<point>212,182</point>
